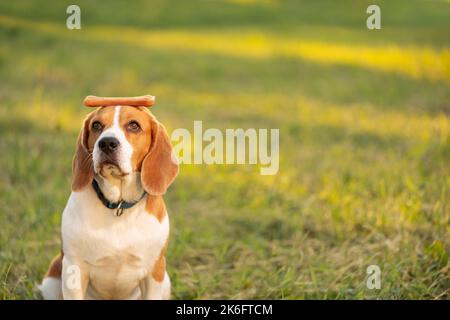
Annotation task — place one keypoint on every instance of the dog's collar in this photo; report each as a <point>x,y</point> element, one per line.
<point>120,206</point>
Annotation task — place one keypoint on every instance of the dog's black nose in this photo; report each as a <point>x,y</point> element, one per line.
<point>108,144</point>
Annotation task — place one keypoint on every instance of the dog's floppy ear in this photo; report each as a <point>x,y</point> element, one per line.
<point>82,165</point>
<point>159,167</point>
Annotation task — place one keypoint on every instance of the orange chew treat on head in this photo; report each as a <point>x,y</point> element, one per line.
<point>141,101</point>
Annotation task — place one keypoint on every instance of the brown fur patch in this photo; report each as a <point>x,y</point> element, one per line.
<point>159,169</point>
<point>105,116</point>
<point>82,166</point>
<point>55,267</point>
<point>155,205</point>
<point>82,169</point>
<point>159,269</point>
<point>141,140</point>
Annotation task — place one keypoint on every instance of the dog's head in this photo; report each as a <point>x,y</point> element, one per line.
<point>117,141</point>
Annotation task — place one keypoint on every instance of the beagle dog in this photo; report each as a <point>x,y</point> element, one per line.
<point>115,226</point>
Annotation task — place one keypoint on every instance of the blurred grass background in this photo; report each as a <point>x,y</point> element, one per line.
<point>364,139</point>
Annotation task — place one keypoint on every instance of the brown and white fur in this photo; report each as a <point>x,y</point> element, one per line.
<point>105,256</point>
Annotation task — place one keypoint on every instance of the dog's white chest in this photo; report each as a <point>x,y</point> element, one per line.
<point>120,251</point>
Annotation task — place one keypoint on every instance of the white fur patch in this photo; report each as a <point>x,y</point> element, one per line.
<point>125,150</point>
<point>51,288</point>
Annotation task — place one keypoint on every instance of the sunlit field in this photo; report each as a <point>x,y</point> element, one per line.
<point>364,174</point>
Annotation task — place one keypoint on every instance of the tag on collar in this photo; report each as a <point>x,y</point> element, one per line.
<point>119,211</point>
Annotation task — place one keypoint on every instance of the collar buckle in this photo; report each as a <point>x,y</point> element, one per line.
<point>119,211</point>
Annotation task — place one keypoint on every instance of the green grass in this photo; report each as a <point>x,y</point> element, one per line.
<point>364,142</point>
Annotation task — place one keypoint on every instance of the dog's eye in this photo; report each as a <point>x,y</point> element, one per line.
<point>133,126</point>
<point>97,126</point>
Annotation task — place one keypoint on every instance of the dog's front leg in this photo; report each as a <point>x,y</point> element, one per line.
<point>156,286</point>
<point>153,289</point>
<point>75,278</point>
